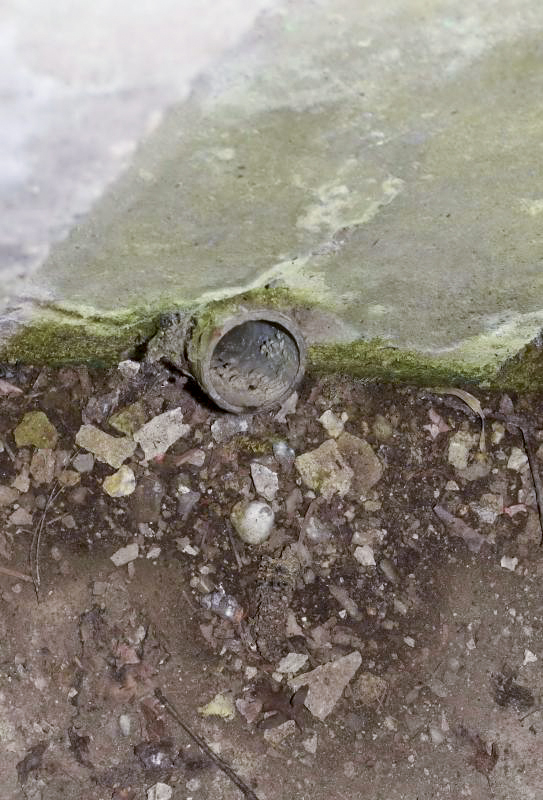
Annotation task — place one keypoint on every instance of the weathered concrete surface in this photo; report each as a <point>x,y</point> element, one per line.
<point>378,165</point>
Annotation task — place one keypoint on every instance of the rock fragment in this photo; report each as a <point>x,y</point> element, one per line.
<point>129,419</point>
<point>157,435</point>
<point>35,430</point>
<point>83,462</point>
<point>517,460</point>
<point>365,556</point>
<point>292,663</point>
<point>124,555</point>
<point>252,521</point>
<point>121,483</point>
<point>367,469</point>
<point>509,563</point>
<point>460,445</point>
<point>325,470</point>
<point>42,466</point>
<point>160,791</point>
<point>226,428</point>
<point>332,424</point>
<point>326,683</point>
<point>8,495</point>
<point>20,517</point>
<point>221,706</point>
<point>265,480</point>
<point>112,450</point>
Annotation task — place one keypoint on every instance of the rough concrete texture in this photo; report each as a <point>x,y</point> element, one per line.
<point>378,162</point>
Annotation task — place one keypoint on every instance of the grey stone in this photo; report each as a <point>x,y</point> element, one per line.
<point>157,435</point>
<point>112,450</point>
<point>326,683</point>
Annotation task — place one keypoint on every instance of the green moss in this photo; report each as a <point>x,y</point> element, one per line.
<point>58,340</point>
<point>376,360</point>
<point>255,447</point>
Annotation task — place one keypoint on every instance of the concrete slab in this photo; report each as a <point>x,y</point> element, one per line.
<point>375,167</point>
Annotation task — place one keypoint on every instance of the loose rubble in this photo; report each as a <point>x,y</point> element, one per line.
<point>350,585</point>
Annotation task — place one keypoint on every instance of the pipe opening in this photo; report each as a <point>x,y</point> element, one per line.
<point>254,364</point>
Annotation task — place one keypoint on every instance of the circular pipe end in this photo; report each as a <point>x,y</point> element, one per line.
<point>249,360</point>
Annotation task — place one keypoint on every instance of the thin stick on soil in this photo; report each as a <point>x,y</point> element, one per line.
<point>535,477</point>
<point>226,768</point>
<point>36,539</point>
<point>14,573</point>
<point>234,549</point>
<point>529,714</point>
<point>523,426</point>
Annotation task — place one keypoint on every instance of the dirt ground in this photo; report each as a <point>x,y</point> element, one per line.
<point>403,565</point>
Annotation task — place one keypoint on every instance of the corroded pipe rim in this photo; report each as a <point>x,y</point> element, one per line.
<point>205,337</point>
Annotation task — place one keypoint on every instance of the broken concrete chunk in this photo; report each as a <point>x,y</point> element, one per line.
<point>509,563</point>
<point>124,555</point>
<point>157,435</point>
<point>121,483</point>
<point>83,462</point>
<point>160,791</point>
<point>277,735</point>
<point>35,430</point>
<point>8,495</point>
<point>366,466</point>
<point>253,521</point>
<point>332,424</point>
<point>20,517</point>
<point>326,683</point>
<point>129,419</point>
<point>517,460</point>
<point>112,450</point>
<point>21,482</point>
<point>365,556</point>
<point>325,470</point>
<point>265,480</point>
<point>221,706</point>
<point>460,445</point>
<point>129,368</point>
<point>292,663</point>
<point>69,477</point>
<point>42,466</point>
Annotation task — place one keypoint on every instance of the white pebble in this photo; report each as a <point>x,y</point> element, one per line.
<point>364,555</point>
<point>124,724</point>
<point>253,521</point>
<point>517,460</point>
<point>160,791</point>
<point>509,563</point>
<point>529,658</point>
<point>265,480</point>
<point>125,554</point>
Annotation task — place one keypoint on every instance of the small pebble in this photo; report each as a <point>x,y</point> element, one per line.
<point>364,555</point>
<point>126,554</point>
<point>121,484</point>
<point>160,791</point>
<point>124,724</point>
<point>509,563</point>
<point>253,521</point>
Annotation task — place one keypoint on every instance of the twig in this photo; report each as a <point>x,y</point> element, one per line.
<point>36,540</point>
<point>535,477</point>
<point>226,768</point>
<point>234,548</point>
<point>525,429</point>
<point>13,573</point>
<point>529,714</point>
